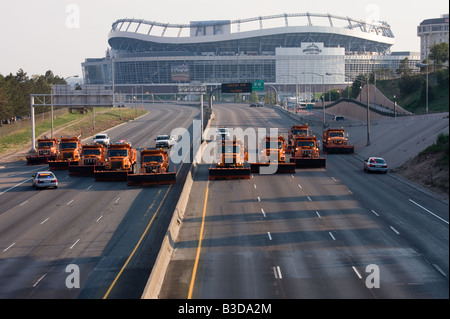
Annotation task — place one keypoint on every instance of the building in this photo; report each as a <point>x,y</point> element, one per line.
<point>314,50</point>
<point>431,32</point>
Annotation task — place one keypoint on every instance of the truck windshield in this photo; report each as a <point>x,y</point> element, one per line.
<point>121,153</point>
<point>68,145</point>
<point>336,134</point>
<point>299,132</point>
<point>306,144</point>
<point>45,144</point>
<point>280,145</point>
<point>91,152</point>
<point>152,158</point>
<point>229,149</point>
<point>165,137</point>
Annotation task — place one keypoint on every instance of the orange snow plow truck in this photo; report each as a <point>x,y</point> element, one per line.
<point>154,169</point>
<point>69,153</point>
<point>120,161</point>
<point>230,165</point>
<point>46,150</point>
<point>273,148</point>
<point>306,153</point>
<point>335,141</point>
<point>92,159</point>
<point>297,130</point>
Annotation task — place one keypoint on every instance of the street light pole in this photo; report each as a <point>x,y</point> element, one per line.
<point>368,112</point>
<point>51,108</point>
<point>323,96</point>
<point>426,92</point>
<point>421,65</point>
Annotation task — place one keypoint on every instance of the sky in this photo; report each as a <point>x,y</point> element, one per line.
<point>58,35</point>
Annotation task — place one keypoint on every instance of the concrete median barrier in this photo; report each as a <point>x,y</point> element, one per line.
<point>156,279</point>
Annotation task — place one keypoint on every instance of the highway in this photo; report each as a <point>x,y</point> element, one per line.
<point>109,232</point>
<point>319,233</point>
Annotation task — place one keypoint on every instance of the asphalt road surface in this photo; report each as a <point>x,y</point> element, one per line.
<point>87,239</point>
<point>318,233</point>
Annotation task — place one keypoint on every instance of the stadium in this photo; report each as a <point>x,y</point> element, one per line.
<point>317,51</point>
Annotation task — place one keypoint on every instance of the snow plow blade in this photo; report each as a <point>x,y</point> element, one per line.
<point>229,173</point>
<point>310,162</point>
<point>340,149</point>
<point>61,165</point>
<point>281,167</point>
<point>84,170</point>
<point>39,160</point>
<point>110,176</point>
<point>151,179</point>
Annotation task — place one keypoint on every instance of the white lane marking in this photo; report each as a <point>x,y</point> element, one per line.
<point>74,243</point>
<point>6,190</point>
<point>428,211</point>
<point>117,200</point>
<point>89,188</point>
<point>333,179</point>
<point>395,230</point>
<point>254,185</point>
<point>318,214</point>
<point>292,176</point>
<point>270,236</point>
<point>331,235</point>
<point>262,211</point>
<point>9,247</point>
<point>299,186</point>
<point>39,280</point>
<point>259,199</point>
<point>375,213</point>
<point>70,202</point>
<point>45,220</point>
<point>23,203</point>
<point>277,272</point>
<point>101,216</point>
<point>309,198</point>
<point>357,272</point>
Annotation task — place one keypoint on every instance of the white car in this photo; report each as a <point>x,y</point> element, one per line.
<point>165,141</point>
<point>102,138</point>
<point>44,180</point>
<point>375,164</point>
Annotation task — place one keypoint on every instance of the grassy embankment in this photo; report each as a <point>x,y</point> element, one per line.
<point>70,124</point>
<point>414,102</point>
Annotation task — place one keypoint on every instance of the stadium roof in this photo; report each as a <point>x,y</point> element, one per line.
<point>258,35</point>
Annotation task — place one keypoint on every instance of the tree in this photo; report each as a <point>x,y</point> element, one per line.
<point>403,68</point>
<point>439,53</point>
<point>359,82</point>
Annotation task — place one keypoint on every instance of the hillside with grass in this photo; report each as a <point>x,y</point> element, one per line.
<point>410,91</point>
<point>430,168</point>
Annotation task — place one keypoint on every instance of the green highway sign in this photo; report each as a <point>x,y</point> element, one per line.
<point>258,85</point>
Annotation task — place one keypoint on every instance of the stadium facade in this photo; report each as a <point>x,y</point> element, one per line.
<point>287,49</point>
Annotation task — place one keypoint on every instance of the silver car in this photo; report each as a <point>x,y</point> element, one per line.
<point>375,164</point>
<point>44,180</point>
